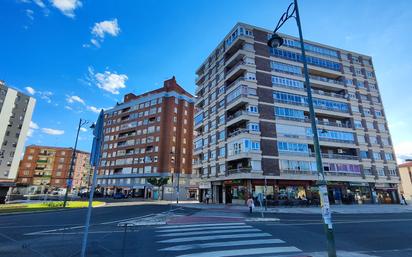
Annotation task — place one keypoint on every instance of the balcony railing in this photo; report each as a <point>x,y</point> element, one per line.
<point>236,114</point>
<point>238,132</point>
<point>234,82</point>
<point>238,170</point>
<point>319,78</point>
<point>336,156</point>
<point>234,67</point>
<point>319,122</point>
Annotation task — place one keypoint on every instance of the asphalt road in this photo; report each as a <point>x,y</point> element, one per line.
<point>59,234</point>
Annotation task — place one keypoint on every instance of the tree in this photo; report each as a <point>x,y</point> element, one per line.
<point>159,182</point>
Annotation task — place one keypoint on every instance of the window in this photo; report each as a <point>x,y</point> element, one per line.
<point>292,147</point>
<point>358,124</point>
<point>287,82</point>
<point>286,68</point>
<point>289,113</point>
<point>369,125</point>
<point>388,157</point>
<point>381,172</point>
<point>254,126</point>
<point>378,113</point>
<point>252,109</point>
<point>364,154</point>
<point>318,103</point>
<point>310,59</point>
<point>392,172</point>
<point>222,152</point>
<point>377,156</point>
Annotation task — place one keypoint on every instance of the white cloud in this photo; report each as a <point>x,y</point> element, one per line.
<point>403,151</point>
<point>68,107</point>
<point>39,3</point>
<point>67,7</point>
<point>83,129</point>
<point>46,95</point>
<point>108,81</point>
<point>30,90</point>
<point>93,109</point>
<point>29,14</point>
<point>54,132</point>
<point>106,27</point>
<point>75,98</point>
<point>32,127</point>
<point>101,29</point>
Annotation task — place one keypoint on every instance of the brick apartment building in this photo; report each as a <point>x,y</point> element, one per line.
<point>253,129</point>
<point>47,168</point>
<point>148,135</point>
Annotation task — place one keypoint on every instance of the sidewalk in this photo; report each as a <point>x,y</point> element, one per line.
<point>341,209</point>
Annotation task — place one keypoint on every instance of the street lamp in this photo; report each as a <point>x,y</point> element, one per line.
<point>276,41</point>
<point>69,179</point>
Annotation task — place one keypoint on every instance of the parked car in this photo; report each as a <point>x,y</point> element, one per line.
<point>119,195</point>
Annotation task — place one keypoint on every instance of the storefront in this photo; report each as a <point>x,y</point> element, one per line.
<point>386,193</point>
<point>235,191</point>
<point>205,189</point>
<point>361,191</point>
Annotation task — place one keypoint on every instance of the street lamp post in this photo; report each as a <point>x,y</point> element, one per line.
<point>274,42</point>
<point>69,179</point>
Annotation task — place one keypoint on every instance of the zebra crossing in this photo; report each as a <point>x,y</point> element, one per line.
<point>219,240</point>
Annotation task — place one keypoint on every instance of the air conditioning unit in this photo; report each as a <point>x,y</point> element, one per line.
<point>340,150</point>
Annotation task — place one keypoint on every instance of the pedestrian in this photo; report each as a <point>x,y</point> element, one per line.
<point>207,198</point>
<point>403,200</point>
<point>250,204</point>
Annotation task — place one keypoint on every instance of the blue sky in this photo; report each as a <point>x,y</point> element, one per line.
<point>77,56</point>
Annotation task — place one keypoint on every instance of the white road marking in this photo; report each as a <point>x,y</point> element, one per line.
<point>240,230</point>
<point>205,238</point>
<point>202,225</point>
<point>222,244</point>
<point>244,252</point>
<point>203,228</point>
<point>51,230</point>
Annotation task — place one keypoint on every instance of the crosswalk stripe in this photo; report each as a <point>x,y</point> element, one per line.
<point>202,225</point>
<point>241,230</point>
<point>205,238</point>
<point>203,228</point>
<point>222,244</point>
<point>244,252</point>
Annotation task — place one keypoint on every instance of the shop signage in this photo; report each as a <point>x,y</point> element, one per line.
<point>205,185</point>
<point>233,181</point>
<point>382,185</point>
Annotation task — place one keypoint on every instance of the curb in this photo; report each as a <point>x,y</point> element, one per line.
<point>55,210</point>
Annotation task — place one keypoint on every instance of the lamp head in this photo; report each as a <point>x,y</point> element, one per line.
<point>275,41</point>
<point>93,126</point>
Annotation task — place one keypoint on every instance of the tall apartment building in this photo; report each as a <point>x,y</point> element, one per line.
<point>16,110</point>
<point>148,135</point>
<point>252,125</point>
<point>46,168</point>
<point>405,172</point>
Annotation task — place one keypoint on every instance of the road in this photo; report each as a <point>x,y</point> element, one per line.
<point>221,233</point>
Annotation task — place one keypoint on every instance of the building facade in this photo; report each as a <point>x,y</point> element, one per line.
<point>405,172</point>
<point>252,128</point>
<point>148,135</point>
<point>16,110</point>
<point>46,168</point>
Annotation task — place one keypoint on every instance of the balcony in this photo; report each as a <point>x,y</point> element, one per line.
<point>238,170</point>
<point>337,156</point>
<point>238,67</point>
<point>328,80</point>
<point>238,132</point>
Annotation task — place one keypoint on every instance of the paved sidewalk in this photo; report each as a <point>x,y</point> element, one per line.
<point>341,209</point>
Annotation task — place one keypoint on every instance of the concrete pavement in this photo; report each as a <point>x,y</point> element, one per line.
<point>342,209</point>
